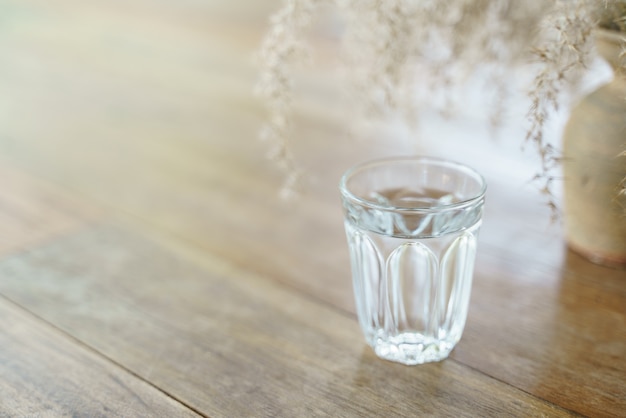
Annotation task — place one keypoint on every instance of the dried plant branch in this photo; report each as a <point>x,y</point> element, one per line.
<point>562,55</point>
<point>392,45</point>
<point>281,48</point>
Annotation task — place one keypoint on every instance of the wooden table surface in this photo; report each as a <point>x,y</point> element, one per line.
<point>149,268</point>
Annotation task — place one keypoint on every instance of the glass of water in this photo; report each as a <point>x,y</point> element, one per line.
<point>412,226</point>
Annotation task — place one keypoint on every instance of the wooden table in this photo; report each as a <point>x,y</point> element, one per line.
<point>148,267</point>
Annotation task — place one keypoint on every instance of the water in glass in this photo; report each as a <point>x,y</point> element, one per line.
<point>412,271</point>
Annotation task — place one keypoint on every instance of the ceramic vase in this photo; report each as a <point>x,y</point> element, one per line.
<point>594,137</point>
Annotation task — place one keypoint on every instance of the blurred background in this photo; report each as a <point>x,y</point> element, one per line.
<point>147,108</point>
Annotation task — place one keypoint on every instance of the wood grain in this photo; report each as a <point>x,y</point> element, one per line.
<point>45,373</point>
<point>560,335</point>
<point>228,347</point>
<point>32,210</point>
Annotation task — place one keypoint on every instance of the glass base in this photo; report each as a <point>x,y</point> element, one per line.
<point>409,350</point>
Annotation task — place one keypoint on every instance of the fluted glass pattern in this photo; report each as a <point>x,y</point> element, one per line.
<point>412,256</point>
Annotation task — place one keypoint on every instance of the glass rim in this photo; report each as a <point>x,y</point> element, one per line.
<point>349,173</point>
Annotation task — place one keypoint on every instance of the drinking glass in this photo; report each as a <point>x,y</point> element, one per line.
<point>412,225</point>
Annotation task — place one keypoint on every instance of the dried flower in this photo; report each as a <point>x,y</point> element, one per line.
<point>393,45</point>
<point>282,46</point>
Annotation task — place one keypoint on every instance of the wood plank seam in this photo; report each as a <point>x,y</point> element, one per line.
<point>94,351</point>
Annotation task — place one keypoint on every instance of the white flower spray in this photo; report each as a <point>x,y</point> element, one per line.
<point>392,46</point>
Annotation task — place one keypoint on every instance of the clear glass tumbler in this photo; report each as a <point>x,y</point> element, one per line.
<point>412,226</point>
